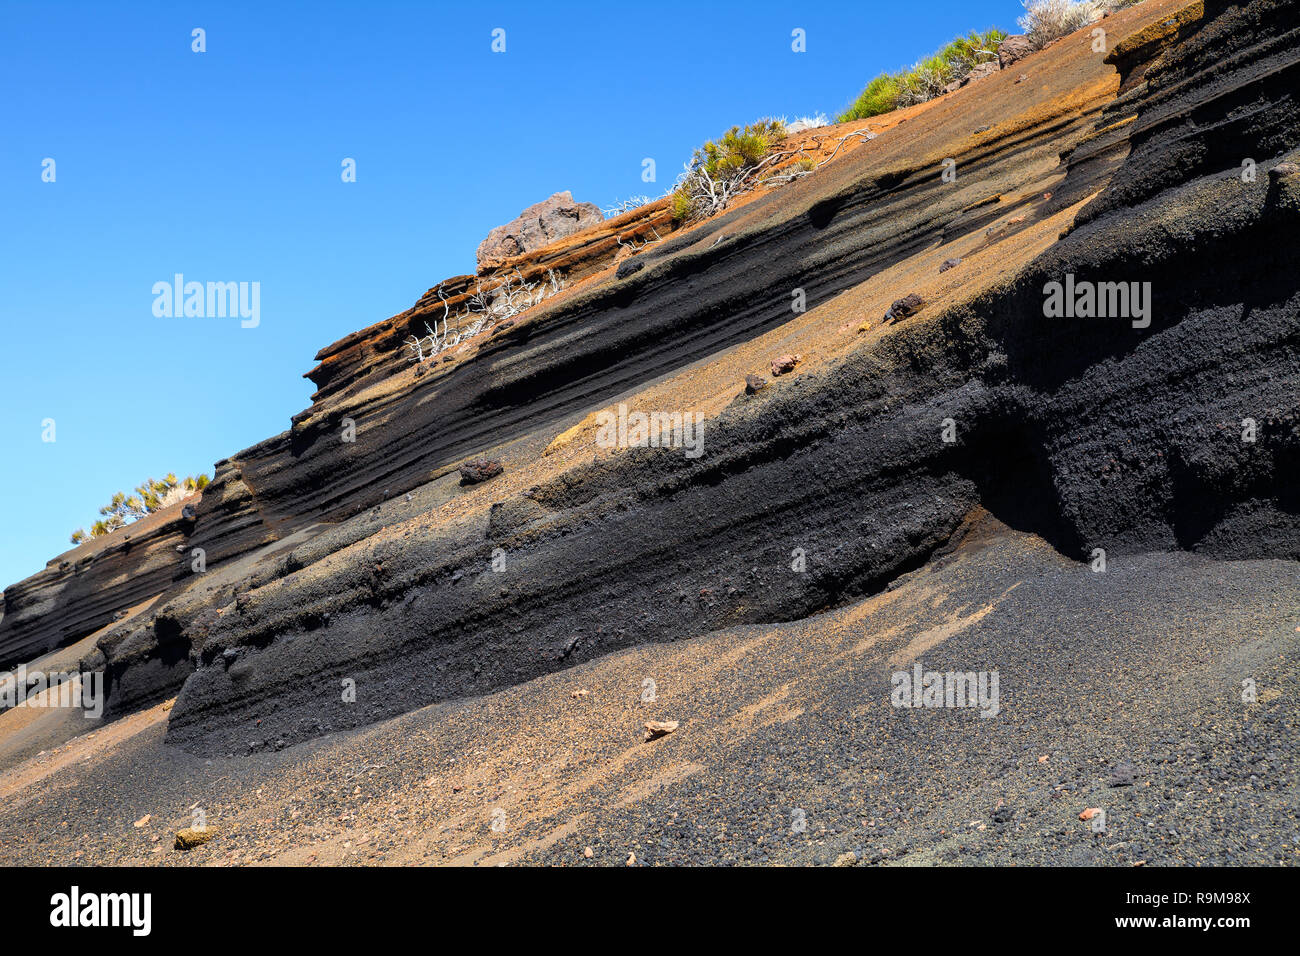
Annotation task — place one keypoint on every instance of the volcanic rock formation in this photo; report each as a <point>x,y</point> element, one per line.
<point>367,561</point>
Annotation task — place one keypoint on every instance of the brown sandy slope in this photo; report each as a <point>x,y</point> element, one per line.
<point>775,720</point>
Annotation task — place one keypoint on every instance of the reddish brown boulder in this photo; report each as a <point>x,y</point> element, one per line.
<point>785,363</point>
<point>537,226</point>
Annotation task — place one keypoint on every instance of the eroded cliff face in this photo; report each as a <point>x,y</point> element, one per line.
<point>365,561</point>
<point>90,586</point>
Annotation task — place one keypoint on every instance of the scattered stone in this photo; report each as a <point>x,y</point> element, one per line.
<point>191,837</point>
<point>538,225</point>
<point>1022,77</point>
<point>472,472</point>
<point>983,129</point>
<point>580,693</point>
<point>588,852</point>
<point>754,383</point>
<point>980,71</point>
<point>628,267</point>
<point>1284,171</point>
<point>143,822</point>
<point>846,859</point>
<point>864,327</point>
<point>1043,759</point>
<point>950,264</point>
<point>631,859</point>
<point>1089,813</point>
<point>785,363</point>
<point>905,307</point>
<point>659,728</point>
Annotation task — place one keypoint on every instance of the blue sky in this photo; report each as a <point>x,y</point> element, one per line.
<point>225,166</point>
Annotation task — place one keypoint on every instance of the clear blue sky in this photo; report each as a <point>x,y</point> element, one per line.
<point>225,166</point>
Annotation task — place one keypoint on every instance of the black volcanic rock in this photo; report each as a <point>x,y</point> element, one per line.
<point>481,469</point>
<point>905,307</point>
<point>1090,433</point>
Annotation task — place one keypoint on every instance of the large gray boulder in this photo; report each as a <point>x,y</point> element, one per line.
<point>537,226</point>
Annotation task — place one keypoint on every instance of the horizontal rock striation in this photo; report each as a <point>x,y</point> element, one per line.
<point>1091,432</point>
<point>693,294</point>
<point>84,589</point>
<point>335,563</point>
<point>372,354</point>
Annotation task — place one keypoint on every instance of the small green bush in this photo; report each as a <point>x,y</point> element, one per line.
<point>880,96</point>
<point>966,53</point>
<point>739,149</point>
<point>154,495</point>
<point>926,79</point>
<point>682,204</point>
<point>718,170</point>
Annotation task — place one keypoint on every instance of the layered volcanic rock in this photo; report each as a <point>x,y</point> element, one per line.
<point>1096,433</point>
<point>346,552</point>
<point>84,589</point>
<point>377,352</point>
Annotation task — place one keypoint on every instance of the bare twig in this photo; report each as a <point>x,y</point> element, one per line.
<point>501,297</point>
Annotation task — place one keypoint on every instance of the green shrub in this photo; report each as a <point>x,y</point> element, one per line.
<point>154,495</point>
<point>682,205</point>
<point>719,170</point>
<point>739,149</point>
<point>880,96</point>
<point>926,79</point>
<point>966,53</point>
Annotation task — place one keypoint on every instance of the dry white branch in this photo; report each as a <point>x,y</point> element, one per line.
<point>624,205</point>
<point>499,298</point>
<point>865,134</point>
<point>638,246</point>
